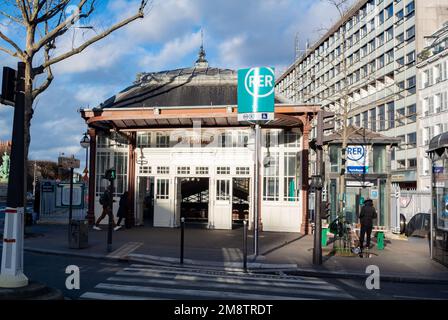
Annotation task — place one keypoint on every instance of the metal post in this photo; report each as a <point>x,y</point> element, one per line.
<point>245,245</point>
<point>182,233</point>
<point>111,208</point>
<point>34,179</point>
<point>317,252</point>
<point>257,193</point>
<point>70,208</point>
<point>12,254</point>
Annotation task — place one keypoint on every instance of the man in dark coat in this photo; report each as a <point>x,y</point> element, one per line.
<point>122,210</point>
<point>106,201</point>
<point>368,213</point>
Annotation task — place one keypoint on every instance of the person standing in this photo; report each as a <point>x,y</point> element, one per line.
<point>368,213</point>
<point>105,201</point>
<point>122,210</point>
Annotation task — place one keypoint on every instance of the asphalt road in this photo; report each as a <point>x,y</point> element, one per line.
<point>96,277</point>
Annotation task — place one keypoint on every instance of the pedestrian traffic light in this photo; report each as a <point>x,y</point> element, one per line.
<point>110,174</point>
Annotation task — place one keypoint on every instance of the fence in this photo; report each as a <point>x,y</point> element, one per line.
<point>407,203</point>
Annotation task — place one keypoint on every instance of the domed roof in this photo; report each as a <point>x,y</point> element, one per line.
<point>200,85</point>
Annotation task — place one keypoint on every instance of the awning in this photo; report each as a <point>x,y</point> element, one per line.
<point>438,142</point>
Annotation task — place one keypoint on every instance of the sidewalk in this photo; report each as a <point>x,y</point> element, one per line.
<point>406,261</point>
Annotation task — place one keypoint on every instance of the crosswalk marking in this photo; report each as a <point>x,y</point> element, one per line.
<point>154,282</point>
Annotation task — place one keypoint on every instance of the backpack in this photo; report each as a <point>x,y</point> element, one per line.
<point>104,199</point>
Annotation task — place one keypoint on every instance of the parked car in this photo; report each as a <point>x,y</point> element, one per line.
<point>418,225</point>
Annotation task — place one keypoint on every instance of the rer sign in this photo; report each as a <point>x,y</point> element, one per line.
<point>256,94</point>
<point>357,159</point>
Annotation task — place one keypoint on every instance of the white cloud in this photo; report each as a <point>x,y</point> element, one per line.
<point>94,95</point>
<point>172,51</point>
<point>230,49</point>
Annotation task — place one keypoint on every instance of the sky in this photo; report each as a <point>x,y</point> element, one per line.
<point>237,34</point>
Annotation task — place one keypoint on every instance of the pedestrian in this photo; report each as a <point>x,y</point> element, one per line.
<point>368,213</point>
<point>122,210</point>
<point>106,202</point>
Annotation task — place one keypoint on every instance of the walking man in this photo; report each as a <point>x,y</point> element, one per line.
<point>105,201</point>
<point>368,213</point>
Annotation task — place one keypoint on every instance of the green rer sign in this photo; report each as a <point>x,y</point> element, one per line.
<point>256,94</point>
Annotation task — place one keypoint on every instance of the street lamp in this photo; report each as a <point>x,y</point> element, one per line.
<point>85,143</point>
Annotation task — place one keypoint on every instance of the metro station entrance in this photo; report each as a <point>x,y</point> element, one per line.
<point>145,201</point>
<point>194,199</point>
<point>240,200</point>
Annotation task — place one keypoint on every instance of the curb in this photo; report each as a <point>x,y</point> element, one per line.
<point>286,269</point>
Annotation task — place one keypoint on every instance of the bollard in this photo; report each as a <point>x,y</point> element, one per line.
<point>182,228</point>
<point>245,245</point>
<point>380,240</point>
<point>324,236</point>
<point>109,234</point>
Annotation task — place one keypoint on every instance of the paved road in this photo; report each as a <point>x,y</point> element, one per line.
<point>120,280</point>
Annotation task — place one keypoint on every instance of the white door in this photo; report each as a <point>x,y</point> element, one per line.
<point>163,213</point>
<point>222,209</point>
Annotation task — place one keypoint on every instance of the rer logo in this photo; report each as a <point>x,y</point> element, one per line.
<point>259,82</point>
<point>357,159</point>
<point>355,153</point>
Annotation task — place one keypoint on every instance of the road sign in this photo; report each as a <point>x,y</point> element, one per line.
<point>256,95</point>
<point>68,163</point>
<point>357,159</point>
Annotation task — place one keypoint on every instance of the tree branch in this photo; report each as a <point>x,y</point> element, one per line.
<point>12,43</point>
<point>92,41</point>
<point>52,12</point>
<point>12,18</point>
<point>12,53</point>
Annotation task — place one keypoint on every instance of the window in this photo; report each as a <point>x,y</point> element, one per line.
<point>144,140</point>
<point>242,170</point>
<point>382,117</point>
<point>389,11</point>
<point>358,120</point>
<point>401,117</point>
<point>391,114</point>
<point>380,62</point>
<point>291,139</point>
<point>373,119</point>
<point>365,119</point>
<point>380,18</point>
<point>201,170</point>
<point>410,33</point>
<point>429,106</point>
<point>334,158</point>
<point>223,190</point>
<point>145,170</point>
<point>242,139</point>
<point>410,57</point>
<point>162,140</point>
<point>412,113</point>
<point>163,170</point>
<point>410,82</point>
<point>163,191</point>
<point>390,56</point>
<point>412,163</point>
<point>290,180</point>
<point>427,78</point>
<point>380,40</point>
<point>410,8</point>
<point>103,142</point>
<point>225,140</point>
<point>121,167</point>
<point>103,164</point>
<point>412,139</point>
<point>399,15</point>
<point>400,38</point>
<point>379,159</point>
<point>271,177</point>
<point>271,139</point>
<point>401,164</point>
<point>372,45</point>
<point>183,170</point>
<point>223,170</point>
<point>400,62</point>
<point>390,34</point>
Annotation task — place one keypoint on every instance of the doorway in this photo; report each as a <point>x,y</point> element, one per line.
<point>145,201</point>
<point>240,200</point>
<point>195,196</point>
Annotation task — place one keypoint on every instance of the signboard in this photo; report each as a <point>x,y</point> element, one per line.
<point>68,163</point>
<point>63,195</point>
<point>256,97</point>
<point>374,194</point>
<point>357,159</point>
<point>47,187</point>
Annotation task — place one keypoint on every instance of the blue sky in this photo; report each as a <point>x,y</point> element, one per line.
<point>237,33</point>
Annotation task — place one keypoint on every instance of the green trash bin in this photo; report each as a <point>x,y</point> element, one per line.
<point>380,240</point>
<point>324,236</point>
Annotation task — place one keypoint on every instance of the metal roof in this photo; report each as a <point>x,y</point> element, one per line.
<point>438,142</point>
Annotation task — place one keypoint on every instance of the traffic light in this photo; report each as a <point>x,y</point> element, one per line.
<point>110,174</point>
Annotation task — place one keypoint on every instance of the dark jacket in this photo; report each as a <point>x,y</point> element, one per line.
<point>106,198</point>
<point>368,213</point>
<point>123,208</point>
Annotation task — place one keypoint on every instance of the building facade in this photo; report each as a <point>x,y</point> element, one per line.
<point>432,79</point>
<point>179,150</point>
<point>367,61</point>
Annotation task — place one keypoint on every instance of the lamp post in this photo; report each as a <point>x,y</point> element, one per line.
<point>85,143</point>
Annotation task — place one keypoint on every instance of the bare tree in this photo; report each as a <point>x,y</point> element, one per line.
<point>41,23</point>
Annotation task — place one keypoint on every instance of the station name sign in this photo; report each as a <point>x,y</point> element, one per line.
<point>357,159</point>
<point>68,163</point>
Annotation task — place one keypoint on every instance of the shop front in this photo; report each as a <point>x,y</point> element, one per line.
<point>438,151</point>
<point>367,173</point>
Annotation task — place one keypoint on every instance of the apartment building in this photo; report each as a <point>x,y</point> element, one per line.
<point>367,62</point>
<point>432,79</point>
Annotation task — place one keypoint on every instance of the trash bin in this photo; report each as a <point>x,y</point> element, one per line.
<point>78,234</point>
<point>380,240</point>
<point>324,235</point>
